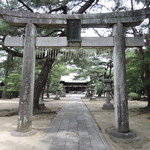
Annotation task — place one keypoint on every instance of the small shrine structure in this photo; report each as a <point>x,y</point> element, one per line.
<point>73,85</point>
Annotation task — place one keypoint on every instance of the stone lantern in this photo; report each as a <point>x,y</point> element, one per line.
<point>107,90</point>
<point>57,92</point>
<point>88,92</point>
<point>63,92</point>
<point>92,92</point>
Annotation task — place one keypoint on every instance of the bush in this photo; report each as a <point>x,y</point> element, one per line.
<point>10,94</point>
<point>134,96</point>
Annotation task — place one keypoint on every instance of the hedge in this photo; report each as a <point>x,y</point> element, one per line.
<point>134,96</point>
<point>10,94</point>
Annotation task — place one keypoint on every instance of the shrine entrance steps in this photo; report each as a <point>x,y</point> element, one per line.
<point>73,129</point>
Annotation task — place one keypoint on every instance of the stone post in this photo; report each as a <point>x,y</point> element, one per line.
<point>120,92</point>
<point>57,92</point>
<point>63,92</point>
<point>88,92</point>
<point>27,83</point>
<point>92,92</point>
<point>107,90</point>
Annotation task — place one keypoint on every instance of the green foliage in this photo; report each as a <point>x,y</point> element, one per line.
<point>10,72</point>
<point>134,96</point>
<point>57,71</point>
<point>10,93</point>
<point>133,70</point>
<point>6,29</point>
<point>138,70</point>
<point>99,88</point>
<point>13,82</point>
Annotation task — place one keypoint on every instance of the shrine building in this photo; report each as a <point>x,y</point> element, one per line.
<point>73,84</point>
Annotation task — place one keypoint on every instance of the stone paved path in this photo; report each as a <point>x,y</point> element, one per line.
<point>73,129</point>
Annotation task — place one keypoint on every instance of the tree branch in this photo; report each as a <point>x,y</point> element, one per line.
<point>63,8</point>
<point>13,53</point>
<point>55,31</point>
<point>17,54</point>
<point>96,32</point>
<point>85,6</point>
<point>26,6</point>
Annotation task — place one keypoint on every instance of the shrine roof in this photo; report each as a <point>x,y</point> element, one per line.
<point>71,78</point>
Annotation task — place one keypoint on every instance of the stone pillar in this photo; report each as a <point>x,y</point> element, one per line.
<point>27,83</point>
<point>57,92</point>
<point>120,91</point>
<point>63,92</point>
<point>92,92</point>
<point>88,92</point>
<point>107,90</point>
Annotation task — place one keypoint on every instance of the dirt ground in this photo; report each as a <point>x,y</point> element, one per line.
<point>139,120</point>
<point>139,123</point>
<point>41,122</point>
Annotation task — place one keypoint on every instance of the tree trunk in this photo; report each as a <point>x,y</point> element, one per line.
<point>41,81</point>
<point>147,86</point>
<point>4,93</point>
<point>42,78</point>
<point>7,67</point>
<point>148,95</point>
<point>47,87</point>
<point>147,72</point>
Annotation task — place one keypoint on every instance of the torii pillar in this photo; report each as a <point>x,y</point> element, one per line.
<point>24,126</point>
<point>120,90</point>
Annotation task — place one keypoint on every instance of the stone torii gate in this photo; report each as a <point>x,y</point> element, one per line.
<point>117,21</point>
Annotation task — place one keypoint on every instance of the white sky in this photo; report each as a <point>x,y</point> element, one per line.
<point>103,31</point>
<point>91,33</point>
